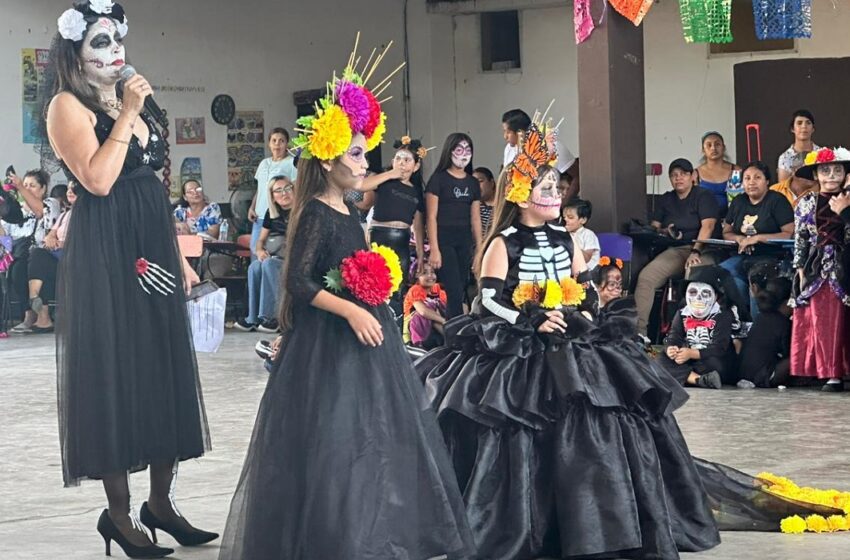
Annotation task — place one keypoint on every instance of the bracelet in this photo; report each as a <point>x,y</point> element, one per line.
<point>127,142</point>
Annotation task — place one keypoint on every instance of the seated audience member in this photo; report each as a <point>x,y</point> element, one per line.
<point>764,359</point>
<point>802,127</point>
<point>575,214</point>
<point>488,193</point>
<point>755,217</point>
<point>425,311</point>
<point>44,261</point>
<point>716,169</point>
<point>264,273</point>
<point>688,213</point>
<point>195,214</point>
<point>609,280</point>
<point>794,187</point>
<point>698,349</point>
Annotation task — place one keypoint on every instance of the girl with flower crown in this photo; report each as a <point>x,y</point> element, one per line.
<point>346,460</point>
<point>128,388</point>
<point>822,261</point>
<point>560,428</point>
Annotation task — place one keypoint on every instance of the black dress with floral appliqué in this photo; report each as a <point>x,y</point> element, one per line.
<point>346,460</point>
<point>128,387</point>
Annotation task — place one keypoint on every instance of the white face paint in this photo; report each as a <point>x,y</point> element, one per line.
<point>462,154</point>
<point>545,200</point>
<point>701,298</point>
<point>102,53</point>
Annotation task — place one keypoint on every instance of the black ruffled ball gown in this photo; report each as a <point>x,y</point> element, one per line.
<point>346,460</point>
<point>564,445</point>
<point>128,387</point>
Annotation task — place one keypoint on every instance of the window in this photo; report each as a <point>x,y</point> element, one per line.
<point>744,38</point>
<point>500,41</point>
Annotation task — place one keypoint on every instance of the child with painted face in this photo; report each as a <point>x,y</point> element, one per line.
<point>129,393</point>
<point>609,281</point>
<point>698,349</point>
<point>822,284</point>
<point>526,383</point>
<point>453,201</point>
<point>343,449</point>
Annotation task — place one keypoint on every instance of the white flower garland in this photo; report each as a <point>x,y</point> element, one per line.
<point>72,23</point>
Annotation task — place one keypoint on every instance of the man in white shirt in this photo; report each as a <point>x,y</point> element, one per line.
<point>516,121</point>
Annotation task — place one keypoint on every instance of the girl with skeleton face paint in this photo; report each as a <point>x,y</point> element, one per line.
<point>453,202</point>
<point>113,151</point>
<point>542,360</point>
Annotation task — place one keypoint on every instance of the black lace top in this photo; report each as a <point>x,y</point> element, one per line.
<point>324,237</point>
<point>152,155</point>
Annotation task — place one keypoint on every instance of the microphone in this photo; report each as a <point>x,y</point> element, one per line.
<point>151,107</point>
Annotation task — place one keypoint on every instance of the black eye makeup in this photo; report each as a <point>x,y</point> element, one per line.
<point>100,41</point>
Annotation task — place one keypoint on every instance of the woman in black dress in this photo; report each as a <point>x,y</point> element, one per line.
<point>128,388</point>
<point>346,460</point>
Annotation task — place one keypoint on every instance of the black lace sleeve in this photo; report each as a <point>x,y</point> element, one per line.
<point>308,244</point>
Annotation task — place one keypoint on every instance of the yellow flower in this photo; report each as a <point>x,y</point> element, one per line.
<point>817,524</point>
<point>573,292</point>
<point>793,525</point>
<point>525,292</point>
<point>331,133</point>
<point>811,158</point>
<point>377,136</point>
<point>837,523</point>
<point>519,189</point>
<point>393,263</point>
<point>553,297</point>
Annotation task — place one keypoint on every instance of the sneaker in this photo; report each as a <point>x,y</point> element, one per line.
<point>244,326</point>
<point>710,380</point>
<point>263,349</point>
<point>746,384</point>
<point>268,326</point>
<point>21,328</point>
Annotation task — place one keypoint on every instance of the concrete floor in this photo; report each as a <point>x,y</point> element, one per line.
<point>801,434</point>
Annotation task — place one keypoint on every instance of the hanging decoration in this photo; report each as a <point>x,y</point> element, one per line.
<point>706,21</point>
<point>783,19</point>
<point>632,10</point>
<point>583,19</point>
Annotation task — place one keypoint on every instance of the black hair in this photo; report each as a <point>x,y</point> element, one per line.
<point>60,193</point>
<point>805,113</point>
<point>451,143</point>
<point>583,208</point>
<point>484,171</point>
<point>776,291</point>
<point>183,202</point>
<point>279,130</point>
<point>760,165</point>
<point>39,175</point>
<point>517,120</point>
<point>600,275</point>
<point>763,272</point>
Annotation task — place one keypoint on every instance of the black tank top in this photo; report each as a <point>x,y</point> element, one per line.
<point>397,202</point>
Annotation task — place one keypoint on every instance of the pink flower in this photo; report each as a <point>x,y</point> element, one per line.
<point>142,267</point>
<point>374,115</point>
<point>354,101</point>
<point>825,155</point>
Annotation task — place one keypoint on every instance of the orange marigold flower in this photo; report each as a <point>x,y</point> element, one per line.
<point>525,292</point>
<point>573,293</point>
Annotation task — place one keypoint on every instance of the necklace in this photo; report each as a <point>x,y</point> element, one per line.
<point>115,104</point>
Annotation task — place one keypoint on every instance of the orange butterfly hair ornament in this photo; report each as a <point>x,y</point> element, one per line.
<point>534,152</point>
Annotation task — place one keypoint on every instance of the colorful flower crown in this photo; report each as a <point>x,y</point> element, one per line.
<point>371,276</point>
<point>549,294</point>
<point>348,108</point>
<point>74,21</point>
<point>828,155</point>
<point>533,152</point>
<point>606,261</point>
<point>412,145</point>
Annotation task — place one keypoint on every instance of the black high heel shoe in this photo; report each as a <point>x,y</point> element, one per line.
<point>194,537</point>
<point>109,531</point>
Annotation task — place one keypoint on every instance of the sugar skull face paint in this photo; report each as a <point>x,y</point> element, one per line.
<point>462,154</point>
<point>701,298</point>
<point>545,200</point>
<point>102,53</point>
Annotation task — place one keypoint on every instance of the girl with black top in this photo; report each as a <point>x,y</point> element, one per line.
<point>398,203</point>
<point>452,199</point>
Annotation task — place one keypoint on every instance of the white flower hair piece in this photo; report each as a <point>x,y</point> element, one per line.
<point>72,25</point>
<point>102,7</point>
<point>842,154</point>
<point>122,28</point>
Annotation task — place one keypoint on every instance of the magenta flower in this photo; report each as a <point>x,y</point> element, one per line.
<point>354,101</point>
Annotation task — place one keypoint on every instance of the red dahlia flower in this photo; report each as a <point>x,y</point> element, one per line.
<point>367,276</point>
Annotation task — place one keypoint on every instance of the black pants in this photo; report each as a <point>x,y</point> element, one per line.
<point>399,241</point>
<point>42,266</point>
<point>456,245</point>
<point>681,371</point>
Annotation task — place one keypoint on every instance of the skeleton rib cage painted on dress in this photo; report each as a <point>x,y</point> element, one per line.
<point>536,255</point>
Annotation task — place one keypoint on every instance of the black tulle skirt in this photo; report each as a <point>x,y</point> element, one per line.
<point>346,460</point>
<point>566,447</point>
<point>128,386</point>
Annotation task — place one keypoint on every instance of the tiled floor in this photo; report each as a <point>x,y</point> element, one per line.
<point>801,434</point>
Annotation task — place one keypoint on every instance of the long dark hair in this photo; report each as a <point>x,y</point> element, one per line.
<point>446,155</point>
<point>312,181</point>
